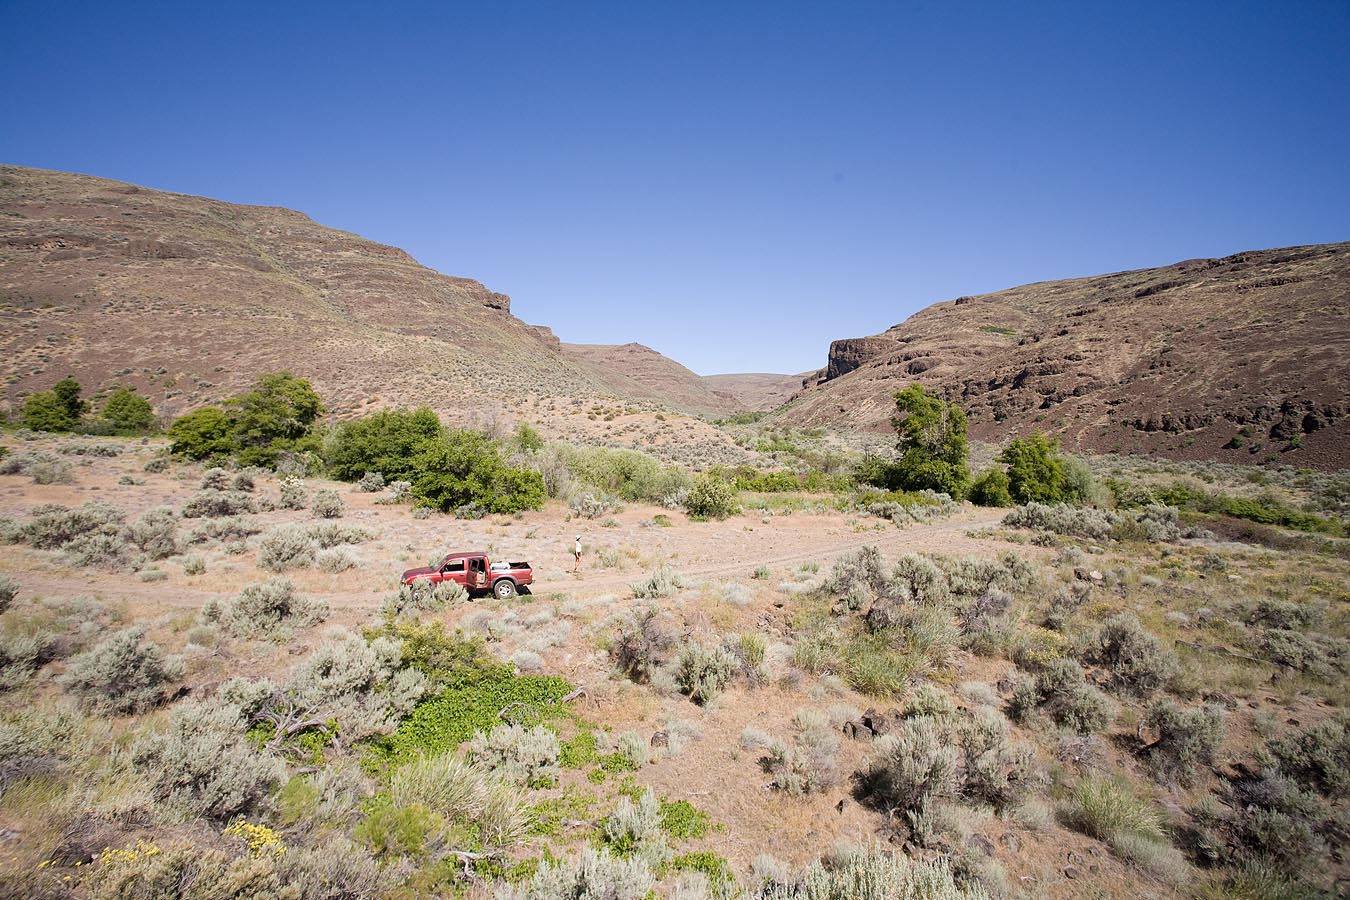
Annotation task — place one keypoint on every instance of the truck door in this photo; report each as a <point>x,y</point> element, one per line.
<point>454,571</point>
<point>478,572</point>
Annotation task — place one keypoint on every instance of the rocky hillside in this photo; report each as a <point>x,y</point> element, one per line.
<point>189,299</point>
<point>1244,358</point>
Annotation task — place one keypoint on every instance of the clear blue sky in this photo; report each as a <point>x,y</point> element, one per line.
<point>734,184</point>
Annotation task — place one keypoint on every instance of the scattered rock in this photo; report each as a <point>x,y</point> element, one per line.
<point>1010,841</point>
<point>660,739</point>
<point>981,843</point>
<point>1072,872</point>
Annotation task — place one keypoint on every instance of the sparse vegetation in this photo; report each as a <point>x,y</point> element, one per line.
<point>456,770</point>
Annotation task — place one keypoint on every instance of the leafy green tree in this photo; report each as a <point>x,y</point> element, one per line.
<point>1035,471</point>
<point>932,442</point>
<point>129,412</point>
<point>67,390</point>
<point>44,411</point>
<point>711,498</point>
<point>275,417</point>
<point>203,433</point>
<point>385,442</point>
<point>528,437</point>
<point>465,468</point>
<point>991,489</point>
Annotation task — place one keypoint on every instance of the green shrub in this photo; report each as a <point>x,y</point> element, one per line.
<point>592,876</point>
<point>872,874</point>
<point>22,655</point>
<point>1080,486</point>
<point>1108,809</point>
<point>275,417</point>
<point>642,643</point>
<point>205,433</point>
<point>1138,662</point>
<point>1265,511</point>
<point>913,766</point>
<point>683,821</point>
<point>464,469</point>
<point>629,474</point>
<point>1317,756</point>
<point>702,672</point>
<point>214,504</point>
<point>121,674</point>
<point>326,505</point>
<point>265,610</point>
<point>1187,739</point>
<point>711,498</point>
<point>384,442</point>
<point>991,489</point>
<point>448,660</point>
<point>1061,691</point>
<point>203,766</point>
<point>664,582</point>
<point>528,438</point>
<point>9,588</point>
<point>523,756</point>
<point>392,830</point>
<point>256,428</point>
<point>634,830</point>
<point>285,547</point>
<point>44,411</point>
<point>462,794</point>
<point>54,526</point>
<point>155,533</point>
<point>446,720</point>
<point>129,412</point>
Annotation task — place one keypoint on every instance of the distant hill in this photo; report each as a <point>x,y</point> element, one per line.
<point>758,391</point>
<point>1244,358</point>
<point>634,370</point>
<point>189,299</point>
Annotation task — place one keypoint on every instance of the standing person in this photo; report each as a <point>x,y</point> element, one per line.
<point>577,552</point>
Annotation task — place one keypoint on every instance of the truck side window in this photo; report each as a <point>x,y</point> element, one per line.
<point>454,566</point>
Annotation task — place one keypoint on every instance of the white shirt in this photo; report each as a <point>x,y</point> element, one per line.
<point>578,550</point>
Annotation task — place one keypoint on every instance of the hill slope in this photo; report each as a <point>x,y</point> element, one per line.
<point>757,391</point>
<point>1242,358</point>
<point>189,299</point>
<point>634,370</point>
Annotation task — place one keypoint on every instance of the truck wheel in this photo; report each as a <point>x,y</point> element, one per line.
<point>504,589</point>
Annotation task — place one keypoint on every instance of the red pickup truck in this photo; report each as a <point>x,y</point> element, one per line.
<point>475,573</point>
